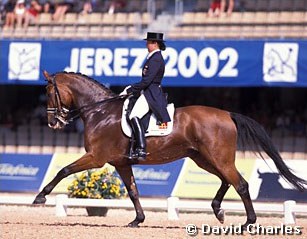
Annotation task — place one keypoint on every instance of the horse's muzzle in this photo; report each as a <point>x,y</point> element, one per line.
<point>56,124</point>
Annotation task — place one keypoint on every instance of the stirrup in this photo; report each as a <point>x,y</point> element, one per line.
<point>141,154</point>
<point>138,155</point>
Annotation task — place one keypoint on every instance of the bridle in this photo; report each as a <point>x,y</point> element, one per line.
<point>60,111</point>
<point>63,114</point>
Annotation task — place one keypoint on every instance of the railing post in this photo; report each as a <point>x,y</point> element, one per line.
<point>60,208</point>
<point>289,214</point>
<point>172,210</point>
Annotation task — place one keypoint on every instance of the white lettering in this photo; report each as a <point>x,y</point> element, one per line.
<point>103,60</point>
<point>187,69</point>
<point>270,230</point>
<point>213,62</point>
<point>229,69</point>
<point>128,62</point>
<point>150,174</point>
<point>297,230</point>
<point>20,169</point>
<point>120,61</point>
<point>86,61</point>
<point>74,56</point>
<point>140,56</point>
<point>251,229</point>
<point>216,230</point>
<point>170,55</point>
<point>206,229</point>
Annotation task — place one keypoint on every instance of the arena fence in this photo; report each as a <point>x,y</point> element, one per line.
<point>289,209</point>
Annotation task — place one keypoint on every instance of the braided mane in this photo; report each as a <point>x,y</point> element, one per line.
<point>106,89</point>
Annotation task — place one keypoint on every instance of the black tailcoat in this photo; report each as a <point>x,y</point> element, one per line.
<point>152,74</point>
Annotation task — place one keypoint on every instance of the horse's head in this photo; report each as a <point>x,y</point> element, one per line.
<point>59,101</point>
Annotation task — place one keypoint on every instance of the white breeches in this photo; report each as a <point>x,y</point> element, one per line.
<point>140,108</point>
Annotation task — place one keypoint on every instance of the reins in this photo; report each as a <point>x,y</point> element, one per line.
<point>90,106</point>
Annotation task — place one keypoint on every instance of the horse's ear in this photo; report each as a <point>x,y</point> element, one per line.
<point>47,76</point>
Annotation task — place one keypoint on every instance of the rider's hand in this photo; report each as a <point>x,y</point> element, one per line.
<point>124,92</point>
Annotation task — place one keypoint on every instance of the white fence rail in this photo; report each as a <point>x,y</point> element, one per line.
<point>172,205</point>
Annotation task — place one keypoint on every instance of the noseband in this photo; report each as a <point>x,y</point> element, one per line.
<point>64,115</point>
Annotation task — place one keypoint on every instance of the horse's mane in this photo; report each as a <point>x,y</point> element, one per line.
<point>106,89</point>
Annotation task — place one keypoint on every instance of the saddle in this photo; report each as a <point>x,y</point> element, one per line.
<point>149,122</point>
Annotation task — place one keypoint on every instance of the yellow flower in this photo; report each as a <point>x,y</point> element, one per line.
<point>97,184</point>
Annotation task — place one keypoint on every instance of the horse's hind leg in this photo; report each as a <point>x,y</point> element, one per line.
<point>85,162</point>
<point>229,176</point>
<point>216,202</point>
<point>127,176</point>
<point>242,189</point>
<point>234,178</point>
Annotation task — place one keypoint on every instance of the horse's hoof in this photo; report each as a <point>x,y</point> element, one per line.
<point>39,200</point>
<point>248,222</point>
<point>244,227</point>
<point>137,221</point>
<point>221,216</point>
<point>134,224</point>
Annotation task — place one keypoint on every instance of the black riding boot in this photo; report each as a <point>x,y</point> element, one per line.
<point>140,151</point>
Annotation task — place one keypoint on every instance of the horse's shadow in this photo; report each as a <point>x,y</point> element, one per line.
<point>272,190</point>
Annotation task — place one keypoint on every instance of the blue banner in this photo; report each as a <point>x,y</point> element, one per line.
<point>157,180</point>
<point>188,63</point>
<point>22,172</point>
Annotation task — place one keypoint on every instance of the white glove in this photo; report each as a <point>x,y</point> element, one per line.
<point>124,92</point>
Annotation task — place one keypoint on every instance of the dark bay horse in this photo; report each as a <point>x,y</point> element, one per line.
<point>207,135</point>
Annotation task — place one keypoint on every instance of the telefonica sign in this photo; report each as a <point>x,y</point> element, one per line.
<point>157,180</point>
<point>7,169</point>
<point>150,174</point>
<point>22,172</point>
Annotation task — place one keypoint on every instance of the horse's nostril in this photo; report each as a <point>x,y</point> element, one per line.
<point>52,122</point>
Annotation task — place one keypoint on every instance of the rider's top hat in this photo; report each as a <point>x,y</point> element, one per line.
<point>154,36</point>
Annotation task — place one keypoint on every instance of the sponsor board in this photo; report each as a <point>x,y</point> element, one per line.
<point>187,63</point>
<point>182,178</point>
<point>58,162</point>
<point>22,172</point>
<point>267,185</point>
<point>195,182</point>
<point>157,180</point>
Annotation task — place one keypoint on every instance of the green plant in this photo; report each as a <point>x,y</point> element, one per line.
<point>97,184</point>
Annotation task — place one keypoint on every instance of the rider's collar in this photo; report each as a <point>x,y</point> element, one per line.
<point>151,53</point>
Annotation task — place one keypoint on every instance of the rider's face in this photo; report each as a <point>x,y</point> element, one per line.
<point>152,45</point>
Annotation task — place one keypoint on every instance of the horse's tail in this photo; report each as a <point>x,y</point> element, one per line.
<point>252,133</point>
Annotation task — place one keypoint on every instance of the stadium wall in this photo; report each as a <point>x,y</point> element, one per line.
<point>182,178</point>
<point>188,63</point>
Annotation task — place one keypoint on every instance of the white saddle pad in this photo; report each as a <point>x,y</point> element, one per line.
<point>153,128</point>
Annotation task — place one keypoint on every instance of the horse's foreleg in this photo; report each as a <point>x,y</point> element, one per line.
<point>216,202</point>
<point>85,162</point>
<point>127,176</point>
